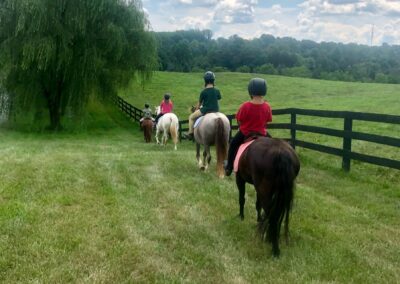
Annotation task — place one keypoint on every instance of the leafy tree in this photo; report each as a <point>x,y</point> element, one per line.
<point>57,53</point>
<point>270,55</point>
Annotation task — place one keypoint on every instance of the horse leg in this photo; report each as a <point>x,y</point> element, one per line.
<point>287,236</point>
<point>165,138</point>
<point>198,155</point>
<point>258,208</point>
<point>241,185</point>
<point>206,156</point>
<point>157,133</point>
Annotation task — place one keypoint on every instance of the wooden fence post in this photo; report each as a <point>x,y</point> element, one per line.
<point>180,130</point>
<point>348,126</point>
<point>230,126</point>
<point>293,128</point>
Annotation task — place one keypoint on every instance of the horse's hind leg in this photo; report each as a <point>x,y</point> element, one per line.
<point>241,184</point>
<point>165,138</point>
<point>198,158</point>
<point>157,133</point>
<point>287,236</point>
<point>206,156</point>
<point>258,208</point>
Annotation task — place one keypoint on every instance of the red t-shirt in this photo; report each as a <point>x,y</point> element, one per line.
<point>166,107</point>
<point>254,117</point>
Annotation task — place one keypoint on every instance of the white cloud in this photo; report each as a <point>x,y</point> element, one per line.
<point>235,11</point>
<point>319,20</point>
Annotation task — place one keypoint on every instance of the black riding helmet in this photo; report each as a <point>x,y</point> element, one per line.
<point>209,77</point>
<point>146,105</point>
<point>167,96</point>
<point>257,87</point>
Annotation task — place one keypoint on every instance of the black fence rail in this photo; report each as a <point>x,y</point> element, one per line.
<point>347,134</point>
<point>130,110</point>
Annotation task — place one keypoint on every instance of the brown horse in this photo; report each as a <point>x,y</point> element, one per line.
<point>271,165</point>
<point>147,126</point>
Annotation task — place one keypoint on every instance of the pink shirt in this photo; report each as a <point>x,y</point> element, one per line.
<point>166,107</point>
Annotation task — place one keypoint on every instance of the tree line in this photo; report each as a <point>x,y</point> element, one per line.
<point>195,50</point>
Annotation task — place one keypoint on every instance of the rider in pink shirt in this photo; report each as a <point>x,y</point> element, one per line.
<point>166,106</point>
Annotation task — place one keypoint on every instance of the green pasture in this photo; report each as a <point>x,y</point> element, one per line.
<point>98,205</point>
<point>285,92</point>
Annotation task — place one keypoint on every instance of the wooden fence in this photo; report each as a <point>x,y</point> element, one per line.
<point>347,134</point>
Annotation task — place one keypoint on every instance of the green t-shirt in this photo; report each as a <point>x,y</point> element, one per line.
<point>209,100</point>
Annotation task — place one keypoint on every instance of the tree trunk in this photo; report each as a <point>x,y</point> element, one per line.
<point>55,115</point>
<point>54,105</point>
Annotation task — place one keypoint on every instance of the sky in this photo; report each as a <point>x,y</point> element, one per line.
<point>370,22</point>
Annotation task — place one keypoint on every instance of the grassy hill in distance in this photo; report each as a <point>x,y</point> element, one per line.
<point>283,92</point>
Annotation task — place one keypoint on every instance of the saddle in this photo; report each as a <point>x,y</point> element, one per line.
<point>200,118</point>
<point>198,121</point>
<point>247,142</point>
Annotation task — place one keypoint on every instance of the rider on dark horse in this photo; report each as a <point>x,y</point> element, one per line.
<point>252,118</point>
<point>208,101</point>
<point>147,114</point>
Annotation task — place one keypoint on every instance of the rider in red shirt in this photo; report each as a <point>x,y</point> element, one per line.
<point>252,118</point>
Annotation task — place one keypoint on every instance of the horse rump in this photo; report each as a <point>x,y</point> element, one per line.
<point>272,166</point>
<point>147,126</point>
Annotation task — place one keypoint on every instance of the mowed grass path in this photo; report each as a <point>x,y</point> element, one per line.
<point>104,207</point>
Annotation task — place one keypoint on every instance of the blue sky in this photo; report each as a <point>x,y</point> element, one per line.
<point>319,20</point>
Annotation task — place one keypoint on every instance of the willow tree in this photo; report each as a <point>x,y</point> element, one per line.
<point>57,53</point>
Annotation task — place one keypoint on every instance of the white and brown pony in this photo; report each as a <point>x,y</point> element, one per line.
<point>213,129</point>
<point>168,124</point>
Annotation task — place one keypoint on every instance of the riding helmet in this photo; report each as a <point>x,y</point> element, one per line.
<point>167,96</point>
<point>146,105</point>
<point>257,87</point>
<point>209,77</point>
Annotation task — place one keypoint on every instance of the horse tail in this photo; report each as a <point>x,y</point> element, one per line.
<point>281,200</point>
<point>221,145</point>
<point>173,129</point>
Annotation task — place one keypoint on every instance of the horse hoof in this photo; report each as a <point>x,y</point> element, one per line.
<point>202,168</point>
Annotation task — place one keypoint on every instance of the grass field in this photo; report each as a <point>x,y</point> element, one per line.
<point>286,92</point>
<point>101,206</point>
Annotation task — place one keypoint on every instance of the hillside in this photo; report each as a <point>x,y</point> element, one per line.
<point>283,92</point>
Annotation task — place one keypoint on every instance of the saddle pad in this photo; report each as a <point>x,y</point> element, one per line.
<point>198,121</point>
<point>239,154</point>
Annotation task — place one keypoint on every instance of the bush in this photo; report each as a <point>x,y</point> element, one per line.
<point>266,69</point>
<point>243,69</point>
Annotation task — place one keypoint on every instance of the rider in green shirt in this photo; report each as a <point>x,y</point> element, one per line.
<point>208,101</point>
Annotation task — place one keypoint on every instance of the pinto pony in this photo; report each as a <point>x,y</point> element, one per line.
<point>168,124</point>
<point>213,129</point>
<point>271,165</point>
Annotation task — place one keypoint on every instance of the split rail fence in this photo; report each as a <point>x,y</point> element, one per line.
<point>347,134</point>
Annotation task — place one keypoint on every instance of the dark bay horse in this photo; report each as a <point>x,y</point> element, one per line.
<point>147,126</point>
<point>271,165</point>
<point>213,130</point>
